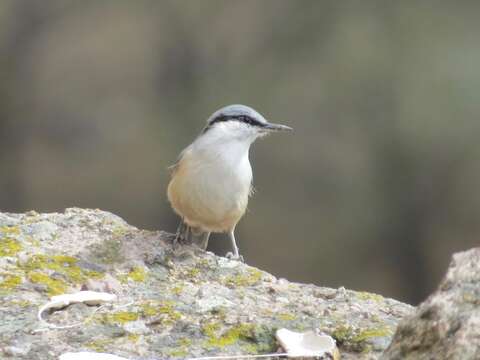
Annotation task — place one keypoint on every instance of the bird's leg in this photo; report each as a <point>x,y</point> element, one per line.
<point>187,235</point>
<point>203,241</point>
<point>199,237</point>
<point>180,235</point>
<point>206,237</point>
<point>235,255</point>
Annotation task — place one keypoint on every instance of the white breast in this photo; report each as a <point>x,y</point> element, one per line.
<point>211,186</point>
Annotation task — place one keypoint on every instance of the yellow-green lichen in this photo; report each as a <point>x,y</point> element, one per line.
<point>181,350</point>
<point>209,329</point>
<point>120,317</point>
<point>10,282</point>
<point>136,274</point>
<point>184,342</point>
<point>193,272</point>
<point>366,334</point>
<point>164,309</point>
<point>10,230</point>
<point>62,264</point>
<point>9,247</point>
<point>471,297</point>
<point>217,338</point>
<point>343,334</point>
<point>356,339</point>
<point>250,278</point>
<point>267,312</point>
<point>149,310</point>
<point>54,287</point>
<point>364,295</point>
<point>250,348</point>
<point>100,345</point>
<point>204,263</point>
<point>133,337</point>
<point>120,230</point>
<point>286,316</point>
<point>177,290</point>
<point>20,303</point>
<point>177,353</point>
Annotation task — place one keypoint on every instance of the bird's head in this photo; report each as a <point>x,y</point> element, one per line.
<point>241,123</point>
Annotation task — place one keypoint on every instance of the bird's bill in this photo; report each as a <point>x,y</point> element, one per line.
<point>277,127</point>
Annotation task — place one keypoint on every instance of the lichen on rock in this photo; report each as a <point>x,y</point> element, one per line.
<point>170,304</point>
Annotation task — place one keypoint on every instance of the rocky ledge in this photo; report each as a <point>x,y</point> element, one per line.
<point>169,305</point>
<point>447,324</point>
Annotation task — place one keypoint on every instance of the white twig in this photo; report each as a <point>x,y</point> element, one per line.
<point>84,355</point>
<point>61,301</point>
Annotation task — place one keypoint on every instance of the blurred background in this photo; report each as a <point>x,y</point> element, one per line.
<point>374,190</point>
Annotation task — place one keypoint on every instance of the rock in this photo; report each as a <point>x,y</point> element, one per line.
<point>107,284</point>
<point>447,324</point>
<point>16,351</point>
<point>170,305</point>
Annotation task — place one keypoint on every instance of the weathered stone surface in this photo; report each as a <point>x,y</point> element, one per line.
<point>447,324</point>
<point>170,305</point>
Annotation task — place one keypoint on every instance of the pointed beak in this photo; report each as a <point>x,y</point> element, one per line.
<point>277,127</point>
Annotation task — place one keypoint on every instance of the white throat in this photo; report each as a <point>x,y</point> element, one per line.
<point>229,142</point>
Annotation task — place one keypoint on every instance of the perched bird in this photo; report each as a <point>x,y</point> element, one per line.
<point>212,179</point>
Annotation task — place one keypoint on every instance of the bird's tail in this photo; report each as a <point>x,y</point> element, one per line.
<point>191,236</point>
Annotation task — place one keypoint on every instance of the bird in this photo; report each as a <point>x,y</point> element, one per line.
<point>211,181</point>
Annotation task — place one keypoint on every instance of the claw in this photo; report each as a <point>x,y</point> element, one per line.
<point>232,256</point>
<point>179,239</point>
<point>178,242</point>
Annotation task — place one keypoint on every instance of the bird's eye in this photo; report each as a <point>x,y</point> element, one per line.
<point>248,120</point>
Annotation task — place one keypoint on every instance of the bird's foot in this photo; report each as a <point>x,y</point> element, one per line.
<point>233,256</point>
<point>178,242</point>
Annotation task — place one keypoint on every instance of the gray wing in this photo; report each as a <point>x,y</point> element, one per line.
<point>173,168</point>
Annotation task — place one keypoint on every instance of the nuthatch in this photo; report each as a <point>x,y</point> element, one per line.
<point>212,179</point>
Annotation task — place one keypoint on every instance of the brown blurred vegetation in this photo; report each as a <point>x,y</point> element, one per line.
<point>374,190</point>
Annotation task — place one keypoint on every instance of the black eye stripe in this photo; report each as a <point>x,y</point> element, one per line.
<point>242,118</point>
